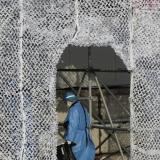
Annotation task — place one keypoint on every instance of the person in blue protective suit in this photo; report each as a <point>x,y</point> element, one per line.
<point>77,124</point>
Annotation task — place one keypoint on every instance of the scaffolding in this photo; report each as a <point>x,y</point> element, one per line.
<point>109,127</point>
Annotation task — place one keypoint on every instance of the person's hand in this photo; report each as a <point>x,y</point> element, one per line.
<point>69,142</point>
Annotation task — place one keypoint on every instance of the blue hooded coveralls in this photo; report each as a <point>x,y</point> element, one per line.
<point>77,132</point>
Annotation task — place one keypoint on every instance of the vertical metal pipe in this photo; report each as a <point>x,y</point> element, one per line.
<point>90,100</point>
<point>100,116</point>
<point>108,113</point>
<point>80,86</point>
<point>90,84</point>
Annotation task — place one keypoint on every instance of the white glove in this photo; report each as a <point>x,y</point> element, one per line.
<point>69,142</point>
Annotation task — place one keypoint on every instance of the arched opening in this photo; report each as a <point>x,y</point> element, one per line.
<point>102,82</point>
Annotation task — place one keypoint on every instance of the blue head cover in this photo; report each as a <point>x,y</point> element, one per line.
<point>70,96</point>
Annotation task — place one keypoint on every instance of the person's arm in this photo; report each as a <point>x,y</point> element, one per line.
<point>73,120</point>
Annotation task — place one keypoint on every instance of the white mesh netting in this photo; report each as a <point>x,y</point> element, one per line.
<point>33,35</point>
<point>145,94</point>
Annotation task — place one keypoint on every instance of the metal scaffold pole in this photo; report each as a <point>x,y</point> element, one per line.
<point>90,84</point>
